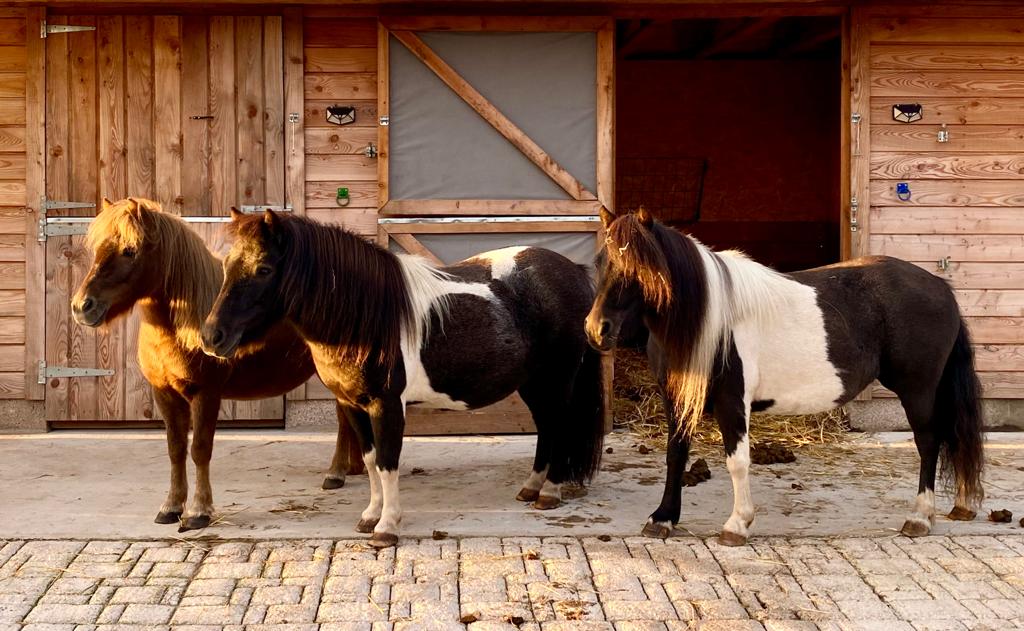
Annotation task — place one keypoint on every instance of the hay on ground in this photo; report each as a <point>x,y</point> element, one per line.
<point>637,407</point>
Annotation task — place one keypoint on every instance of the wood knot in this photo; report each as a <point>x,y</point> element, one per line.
<point>252,111</point>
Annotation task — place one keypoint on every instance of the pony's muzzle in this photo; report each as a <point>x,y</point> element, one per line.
<point>217,342</point>
<point>600,333</point>
<point>88,311</point>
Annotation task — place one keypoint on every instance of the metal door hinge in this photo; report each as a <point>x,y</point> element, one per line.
<point>854,205</point>
<point>53,29</point>
<point>370,151</point>
<point>55,372</point>
<point>384,121</point>
<point>258,208</point>
<point>48,227</point>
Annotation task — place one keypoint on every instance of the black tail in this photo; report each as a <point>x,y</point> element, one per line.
<point>958,418</point>
<point>585,429</point>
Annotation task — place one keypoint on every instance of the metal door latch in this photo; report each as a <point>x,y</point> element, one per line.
<point>370,151</point>
<point>943,264</point>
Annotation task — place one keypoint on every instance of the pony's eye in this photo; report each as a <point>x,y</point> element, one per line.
<point>264,270</point>
<point>128,253</point>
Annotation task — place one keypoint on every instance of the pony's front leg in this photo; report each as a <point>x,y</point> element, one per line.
<point>733,417</point>
<point>204,423</point>
<point>663,520</point>
<point>388,417</point>
<point>175,412</point>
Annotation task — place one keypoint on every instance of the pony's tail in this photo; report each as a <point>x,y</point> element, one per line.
<point>585,431</point>
<point>959,422</point>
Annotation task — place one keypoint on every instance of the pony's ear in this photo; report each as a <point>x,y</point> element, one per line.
<point>105,204</point>
<point>236,214</point>
<point>272,222</point>
<point>645,217</point>
<point>607,217</point>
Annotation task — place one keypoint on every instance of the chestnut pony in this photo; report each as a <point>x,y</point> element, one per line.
<point>152,259</point>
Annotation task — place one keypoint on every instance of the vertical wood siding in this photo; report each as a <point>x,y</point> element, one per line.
<point>967,195</point>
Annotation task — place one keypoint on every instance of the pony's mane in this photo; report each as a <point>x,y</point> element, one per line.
<point>343,291</point>
<point>191,274</point>
<point>698,296</point>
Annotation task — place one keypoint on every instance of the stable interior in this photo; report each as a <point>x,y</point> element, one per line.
<point>730,129</point>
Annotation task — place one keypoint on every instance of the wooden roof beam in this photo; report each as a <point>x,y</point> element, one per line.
<point>806,44</point>
<point>745,31</point>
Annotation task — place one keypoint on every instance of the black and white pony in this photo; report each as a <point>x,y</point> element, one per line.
<point>388,330</point>
<point>731,336</point>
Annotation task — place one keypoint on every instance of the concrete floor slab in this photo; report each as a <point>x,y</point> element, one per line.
<point>109,485</point>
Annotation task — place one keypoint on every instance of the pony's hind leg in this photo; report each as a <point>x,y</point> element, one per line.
<point>346,446</point>
<point>535,481</point>
<point>664,519</point>
<point>548,399</point>
<point>919,410</point>
<point>204,424</point>
<point>175,412</point>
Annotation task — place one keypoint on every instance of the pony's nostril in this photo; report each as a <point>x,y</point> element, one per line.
<point>606,326</point>
<point>87,305</point>
<point>217,337</point>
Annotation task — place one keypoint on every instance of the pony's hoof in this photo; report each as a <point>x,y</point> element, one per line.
<point>527,495</point>
<point>367,525</point>
<point>196,522</point>
<point>383,540</point>
<point>168,517</point>
<point>547,502</point>
<point>331,483</point>
<point>959,513</point>
<point>731,539</point>
<point>915,528</point>
<point>656,530</point>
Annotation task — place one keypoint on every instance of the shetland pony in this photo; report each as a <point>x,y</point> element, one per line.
<point>146,257</point>
<point>732,337</point>
<point>387,330</point>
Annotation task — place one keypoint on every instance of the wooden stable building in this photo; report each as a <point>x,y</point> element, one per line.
<point>804,132</point>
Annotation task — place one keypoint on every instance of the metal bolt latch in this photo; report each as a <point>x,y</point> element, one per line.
<point>370,151</point>
<point>943,264</point>
<point>855,118</point>
<point>943,134</point>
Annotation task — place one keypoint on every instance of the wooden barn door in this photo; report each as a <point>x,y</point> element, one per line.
<point>186,110</point>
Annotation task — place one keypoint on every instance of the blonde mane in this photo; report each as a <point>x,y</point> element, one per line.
<point>191,273</point>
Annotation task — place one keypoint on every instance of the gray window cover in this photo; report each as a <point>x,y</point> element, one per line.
<point>545,83</point>
<point>578,247</point>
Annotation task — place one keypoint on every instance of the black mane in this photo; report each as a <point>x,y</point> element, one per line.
<point>337,287</point>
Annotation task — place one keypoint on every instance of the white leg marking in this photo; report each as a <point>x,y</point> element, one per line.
<point>391,516</point>
<point>535,480</point>
<point>373,509</point>
<point>924,508</point>
<point>551,489</point>
<point>743,505</point>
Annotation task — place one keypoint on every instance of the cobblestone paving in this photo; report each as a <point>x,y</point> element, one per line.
<point>549,584</point>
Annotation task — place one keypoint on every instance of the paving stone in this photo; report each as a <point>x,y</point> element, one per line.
<point>146,614</point>
<point>67,614</point>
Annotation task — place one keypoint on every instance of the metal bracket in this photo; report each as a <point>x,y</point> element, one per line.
<point>52,29</point>
<point>293,117</point>
<point>258,208</point>
<point>370,151</point>
<point>50,228</point>
<point>54,372</point>
<point>44,226</point>
<point>854,205</point>
<point>384,121</point>
<point>855,118</point>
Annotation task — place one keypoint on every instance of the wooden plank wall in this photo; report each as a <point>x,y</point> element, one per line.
<point>340,63</point>
<point>12,203</point>
<point>967,195</point>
